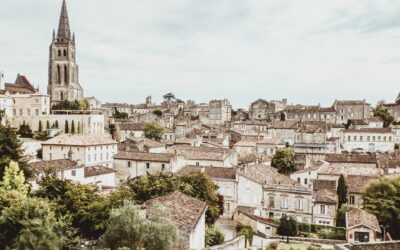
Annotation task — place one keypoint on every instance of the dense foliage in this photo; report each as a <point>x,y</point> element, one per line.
<point>120,115</point>
<point>29,222</point>
<point>197,185</point>
<point>284,160</point>
<point>214,236</point>
<point>383,113</point>
<point>153,131</point>
<point>71,105</point>
<point>246,231</point>
<point>382,198</point>
<point>342,191</point>
<point>25,130</point>
<point>127,228</point>
<point>287,226</point>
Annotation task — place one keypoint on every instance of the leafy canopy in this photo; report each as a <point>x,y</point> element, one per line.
<point>284,160</point>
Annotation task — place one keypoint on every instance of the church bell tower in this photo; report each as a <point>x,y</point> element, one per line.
<point>63,70</point>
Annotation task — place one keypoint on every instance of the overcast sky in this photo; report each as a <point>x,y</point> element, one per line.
<point>308,51</point>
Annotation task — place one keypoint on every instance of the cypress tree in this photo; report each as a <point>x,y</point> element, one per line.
<point>66,127</point>
<point>342,191</point>
<point>56,124</point>
<point>79,127</point>
<point>73,127</point>
<point>40,126</point>
<point>47,124</point>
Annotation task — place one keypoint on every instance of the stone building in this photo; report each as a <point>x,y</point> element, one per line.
<point>63,70</point>
<point>351,109</point>
<point>368,140</point>
<point>264,110</point>
<point>220,111</point>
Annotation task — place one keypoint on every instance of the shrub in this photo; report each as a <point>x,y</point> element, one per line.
<point>213,236</point>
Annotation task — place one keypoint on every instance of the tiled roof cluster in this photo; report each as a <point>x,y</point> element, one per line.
<point>359,217</point>
<point>143,156</point>
<point>200,153</point>
<point>97,170</point>
<point>181,209</point>
<point>81,140</point>
<point>319,184</point>
<point>326,196</point>
<point>357,183</point>
<point>266,175</point>
<point>131,126</point>
<point>351,158</point>
<point>213,172</point>
<point>53,165</point>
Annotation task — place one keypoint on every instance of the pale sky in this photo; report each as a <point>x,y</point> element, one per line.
<point>308,51</point>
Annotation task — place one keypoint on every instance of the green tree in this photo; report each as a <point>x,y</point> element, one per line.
<point>213,236</point>
<point>153,131</point>
<point>200,186</point>
<point>246,231</point>
<point>382,198</point>
<point>383,113</point>
<point>126,228</point>
<point>397,146</point>
<point>157,112</point>
<point>10,150</point>
<point>47,124</point>
<point>73,127</point>
<point>287,226</point>
<point>25,130</point>
<point>31,224</point>
<point>40,126</point>
<point>342,191</point>
<point>14,179</point>
<point>66,127</point>
<point>284,160</point>
<point>88,210</point>
<point>79,128</point>
<point>119,115</point>
<point>169,97</point>
<point>56,124</point>
<point>341,215</point>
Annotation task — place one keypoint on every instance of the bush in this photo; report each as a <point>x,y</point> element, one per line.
<point>245,230</point>
<point>25,130</point>
<point>214,236</point>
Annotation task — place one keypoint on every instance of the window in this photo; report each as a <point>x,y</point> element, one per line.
<point>361,138</point>
<point>147,165</point>
<point>107,156</point>
<point>88,158</point>
<point>352,200</point>
<point>271,215</point>
<point>101,156</point>
<point>37,111</point>
<point>271,201</point>
<point>355,138</point>
<point>20,112</point>
<point>162,167</point>
<point>284,203</point>
<point>95,157</point>
<point>298,180</point>
<point>322,209</point>
<point>50,156</point>
<point>73,172</point>
<point>59,52</point>
<point>299,204</point>
<point>129,164</point>
<point>349,138</point>
<point>305,181</point>
<point>14,112</point>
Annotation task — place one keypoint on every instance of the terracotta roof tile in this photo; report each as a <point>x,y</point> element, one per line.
<point>358,217</point>
<point>213,172</point>
<point>181,209</point>
<point>81,140</point>
<point>97,170</point>
<point>143,156</point>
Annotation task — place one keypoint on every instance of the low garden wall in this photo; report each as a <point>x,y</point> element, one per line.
<point>234,244</point>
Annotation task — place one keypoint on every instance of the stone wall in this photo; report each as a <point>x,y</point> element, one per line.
<point>389,245</point>
<point>312,240</point>
<point>234,244</point>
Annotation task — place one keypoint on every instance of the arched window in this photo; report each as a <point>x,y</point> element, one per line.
<point>58,74</point>
<point>65,74</point>
<point>59,52</point>
<point>65,52</point>
<point>61,96</point>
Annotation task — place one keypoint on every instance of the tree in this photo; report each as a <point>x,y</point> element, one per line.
<point>88,210</point>
<point>47,124</point>
<point>25,130</point>
<point>342,191</point>
<point>10,150</point>
<point>287,226</point>
<point>283,117</point>
<point>40,126</point>
<point>73,127</point>
<point>126,228</point>
<point>79,128</point>
<point>246,231</point>
<point>119,115</point>
<point>14,179</point>
<point>31,224</point>
<point>56,124</point>
<point>157,112</point>
<point>284,160</point>
<point>213,236</point>
<point>396,146</point>
<point>382,198</point>
<point>66,127</point>
<point>153,131</point>
<point>341,215</point>
<point>383,113</point>
<point>168,97</point>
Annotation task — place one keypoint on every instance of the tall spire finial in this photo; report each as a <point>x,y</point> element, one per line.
<point>64,33</point>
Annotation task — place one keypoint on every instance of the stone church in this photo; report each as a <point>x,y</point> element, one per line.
<point>63,70</point>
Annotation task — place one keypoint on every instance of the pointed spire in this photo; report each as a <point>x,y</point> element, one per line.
<point>64,33</point>
<point>54,34</point>
<point>73,37</point>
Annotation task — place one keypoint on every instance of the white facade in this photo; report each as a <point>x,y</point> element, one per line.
<point>371,140</point>
<point>30,105</point>
<point>198,235</point>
